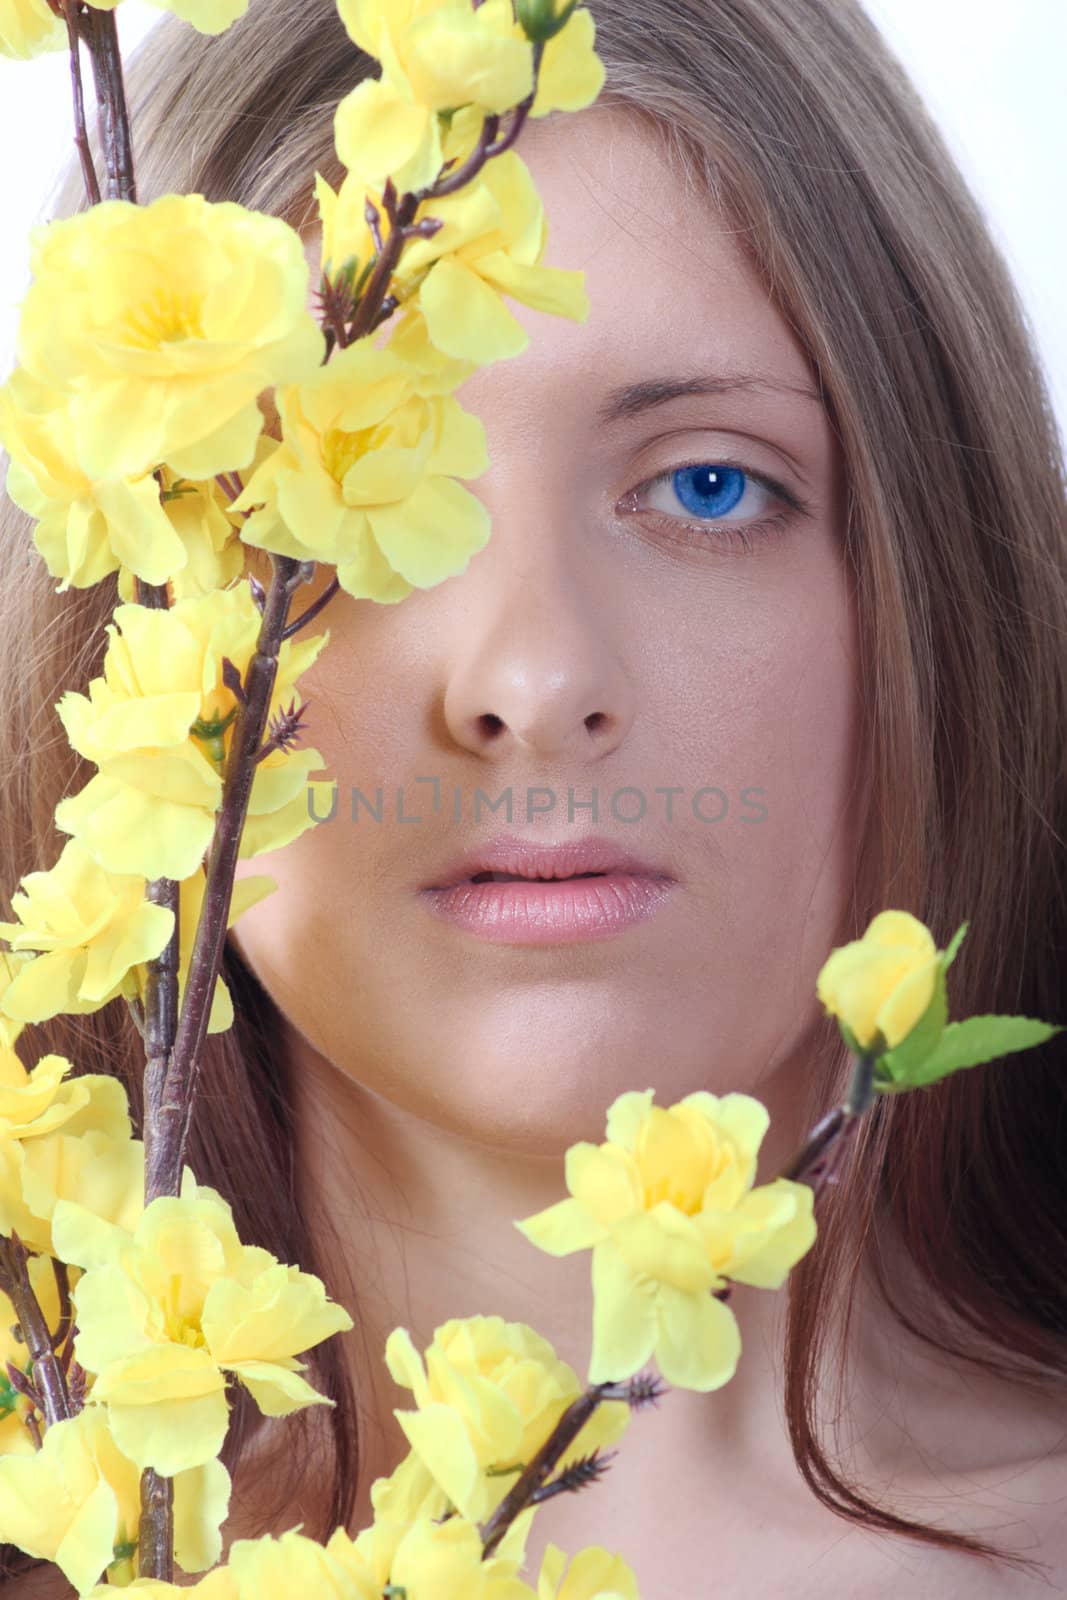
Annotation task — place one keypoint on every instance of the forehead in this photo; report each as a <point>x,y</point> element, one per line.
<point>668,280</point>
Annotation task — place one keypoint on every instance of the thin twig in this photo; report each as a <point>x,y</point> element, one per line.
<point>163,1161</point>
<point>66,1309</point>
<point>81,136</point>
<point>370,302</point>
<point>313,609</point>
<point>533,1477</point>
<point>819,1157</point>
<point>488,144</point>
<point>47,1375</point>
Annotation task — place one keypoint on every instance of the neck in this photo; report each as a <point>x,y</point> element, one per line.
<point>417,1224</point>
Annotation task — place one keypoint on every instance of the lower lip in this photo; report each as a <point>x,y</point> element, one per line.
<point>550,913</point>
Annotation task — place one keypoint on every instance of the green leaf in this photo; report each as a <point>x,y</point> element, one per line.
<point>970,1044</point>
<point>953,945</point>
<point>902,1062</point>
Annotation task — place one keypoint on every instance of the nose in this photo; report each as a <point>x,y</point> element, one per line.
<point>536,665</point>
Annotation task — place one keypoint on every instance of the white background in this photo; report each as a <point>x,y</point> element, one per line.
<point>991,72</point>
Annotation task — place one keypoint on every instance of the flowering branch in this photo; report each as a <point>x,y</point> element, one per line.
<point>488,145</point>
<point>163,1160</point>
<point>532,1483</point>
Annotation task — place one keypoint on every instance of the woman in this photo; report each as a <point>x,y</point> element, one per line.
<point>779,532</point>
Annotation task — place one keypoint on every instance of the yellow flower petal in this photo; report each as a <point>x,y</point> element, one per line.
<point>466,318</point>
<point>698,1342</point>
<point>624,1318</point>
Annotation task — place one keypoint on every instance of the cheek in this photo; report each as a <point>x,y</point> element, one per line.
<point>750,684</point>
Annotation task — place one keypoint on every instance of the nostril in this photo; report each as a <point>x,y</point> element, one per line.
<point>490,723</point>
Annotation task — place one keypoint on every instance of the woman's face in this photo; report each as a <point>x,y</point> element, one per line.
<point>631,647</point>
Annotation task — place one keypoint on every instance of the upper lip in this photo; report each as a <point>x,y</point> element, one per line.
<point>524,858</point>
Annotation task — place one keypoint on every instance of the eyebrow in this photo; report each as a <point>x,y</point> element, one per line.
<point>631,399</point>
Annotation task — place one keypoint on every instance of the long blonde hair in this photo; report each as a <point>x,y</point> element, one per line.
<point>806,129</point>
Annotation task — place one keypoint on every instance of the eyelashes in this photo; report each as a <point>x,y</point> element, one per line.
<point>715,490</point>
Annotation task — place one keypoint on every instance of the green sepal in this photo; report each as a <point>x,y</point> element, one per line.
<point>949,955</point>
<point>972,1043</point>
<point>538,19</point>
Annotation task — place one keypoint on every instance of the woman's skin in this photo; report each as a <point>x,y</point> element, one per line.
<point>440,1078</point>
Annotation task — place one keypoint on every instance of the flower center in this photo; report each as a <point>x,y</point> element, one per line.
<point>340,452</point>
<point>164,317</point>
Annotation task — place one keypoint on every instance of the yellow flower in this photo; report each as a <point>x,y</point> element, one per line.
<point>434,59</point>
<point>90,927</point>
<point>165,1315</point>
<point>85,529</point>
<point>161,324</point>
<point>96,933</point>
<point>427,1559</point>
<point>11,964</point>
<point>62,1137</point>
<point>77,1503</point>
<point>35,1105</point>
<point>15,1409</point>
<point>882,983</point>
<point>492,244</point>
<point>210,534</point>
<point>488,1397</point>
<point>594,1574</point>
<point>365,477</point>
<point>668,1208</point>
<point>29,28</point>
<point>217,1585</point>
<point>291,1566</point>
<point>444,1561</point>
<point>99,1168</point>
<point>159,725</point>
<point>206,16</point>
<point>571,75</point>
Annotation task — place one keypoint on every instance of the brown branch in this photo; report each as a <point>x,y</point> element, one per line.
<point>155,1535</point>
<point>159,1026</point>
<point>66,1309</point>
<point>534,1476</point>
<point>163,1161</point>
<point>47,1374</point>
<point>488,144</point>
<point>819,1157</point>
<point>313,609</point>
<point>370,301</point>
<point>81,136</point>
<point>100,33</point>
<point>160,1017</point>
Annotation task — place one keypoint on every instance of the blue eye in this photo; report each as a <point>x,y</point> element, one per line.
<point>714,491</point>
<point>709,491</point>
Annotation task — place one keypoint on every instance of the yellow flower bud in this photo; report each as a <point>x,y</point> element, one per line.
<point>882,983</point>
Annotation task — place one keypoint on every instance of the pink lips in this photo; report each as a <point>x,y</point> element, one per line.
<point>619,890</point>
